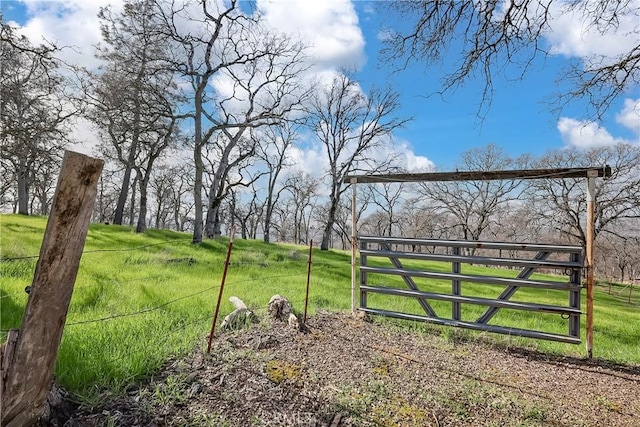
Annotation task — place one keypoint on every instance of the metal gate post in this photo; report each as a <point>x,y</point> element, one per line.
<point>455,285</point>
<point>363,275</point>
<point>574,298</point>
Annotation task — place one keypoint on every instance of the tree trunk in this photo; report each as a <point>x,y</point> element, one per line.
<point>213,228</point>
<point>124,191</point>
<point>267,220</point>
<point>331,219</point>
<point>101,201</point>
<point>142,215</point>
<point>199,169</point>
<point>23,193</point>
<point>176,217</point>
<point>132,207</point>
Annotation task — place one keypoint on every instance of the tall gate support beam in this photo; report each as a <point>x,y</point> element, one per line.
<point>591,197</point>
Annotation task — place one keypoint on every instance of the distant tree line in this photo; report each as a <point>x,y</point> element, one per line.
<point>201,110</point>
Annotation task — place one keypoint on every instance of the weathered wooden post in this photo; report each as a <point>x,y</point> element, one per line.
<point>28,360</point>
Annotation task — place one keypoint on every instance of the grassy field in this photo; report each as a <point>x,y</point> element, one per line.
<point>142,299</point>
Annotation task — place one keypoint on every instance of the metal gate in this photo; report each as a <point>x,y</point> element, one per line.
<point>380,256</point>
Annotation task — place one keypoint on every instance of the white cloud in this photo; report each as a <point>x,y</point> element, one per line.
<point>585,134</point>
<point>70,23</point>
<point>329,27</point>
<point>629,117</point>
<point>310,160</point>
<point>412,161</point>
<point>573,34</point>
<point>85,137</point>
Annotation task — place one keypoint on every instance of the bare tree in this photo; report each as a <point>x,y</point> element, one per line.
<point>248,212</point>
<point>8,197</point>
<point>350,125</point>
<point>623,254</point>
<point>161,183</point>
<point>489,36</point>
<point>171,185</point>
<point>261,71</point>
<point>107,197</point>
<point>33,112</point>
<point>562,203</point>
<point>133,98</point>
<point>153,146</point>
<point>272,148</point>
<point>43,181</point>
<point>473,204</point>
<point>387,197</point>
<point>418,218</point>
<point>302,190</point>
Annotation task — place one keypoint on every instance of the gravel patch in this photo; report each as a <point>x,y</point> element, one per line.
<point>349,372</point>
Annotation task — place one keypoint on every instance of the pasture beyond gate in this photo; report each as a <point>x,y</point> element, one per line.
<point>383,256</point>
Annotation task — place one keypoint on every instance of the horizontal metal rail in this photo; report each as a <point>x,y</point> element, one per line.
<point>379,250</point>
<point>472,244</point>
<point>473,300</point>
<point>543,284</point>
<point>473,259</point>
<point>477,326</point>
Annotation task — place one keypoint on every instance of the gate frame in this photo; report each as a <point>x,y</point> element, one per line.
<point>520,174</point>
<point>381,247</point>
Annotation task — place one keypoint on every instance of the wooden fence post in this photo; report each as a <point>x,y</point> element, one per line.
<point>28,368</point>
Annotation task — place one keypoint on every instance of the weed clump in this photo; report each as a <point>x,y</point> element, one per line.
<point>279,371</point>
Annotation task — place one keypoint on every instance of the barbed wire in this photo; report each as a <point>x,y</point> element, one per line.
<point>259,263</point>
<point>184,326</point>
<point>134,248</point>
<point>167,303</point>
<point>143,311</point>
<point>111,282</point>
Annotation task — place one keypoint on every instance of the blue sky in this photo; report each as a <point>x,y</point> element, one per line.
<point>346,34</point>
<point>520,118</point>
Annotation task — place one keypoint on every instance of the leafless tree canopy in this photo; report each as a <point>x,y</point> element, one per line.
<point>138,124</point>
<point>33,114</point>
<point>350,124</point>
<point>486,37</point>
<point>473,205</point>
<point>562,203</point>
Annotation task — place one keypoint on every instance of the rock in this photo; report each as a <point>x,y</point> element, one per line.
<point>293,321</point>
<point>239,318</point>
<point>237,302</point>
<point>279,308</point>
<point>296,323</point>
<point>194,390</point>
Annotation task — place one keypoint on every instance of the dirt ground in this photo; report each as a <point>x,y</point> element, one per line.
<point>349,372</point>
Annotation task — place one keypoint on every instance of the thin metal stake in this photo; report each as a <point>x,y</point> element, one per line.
<point>306,298</point>
<point>224,277</point>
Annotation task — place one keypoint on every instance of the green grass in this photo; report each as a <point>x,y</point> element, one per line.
<point>141,299</point>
